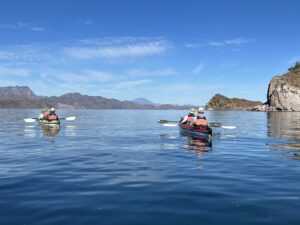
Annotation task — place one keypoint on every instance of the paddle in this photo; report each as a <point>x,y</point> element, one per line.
<point>32,120</point>
<point>169,123</point>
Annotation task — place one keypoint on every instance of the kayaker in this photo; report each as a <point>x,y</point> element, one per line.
<point>189,118</point>
<point>44,114</point>
<point>201,119</point>
<point>52,115</point>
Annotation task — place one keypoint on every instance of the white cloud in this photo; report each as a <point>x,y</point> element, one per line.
<point>229,42</point>
<point>86,76</point>
<point>22,26</point>
<point>150,73</point>
<point>9,71</point>
<point>132,84</point>
<point>7,55</point>
<point>198,69</point>
<point>115,52</point>
<point>216,43</point>
<point>88,22</point>
<point>233,42</point>
<point>238,41</point>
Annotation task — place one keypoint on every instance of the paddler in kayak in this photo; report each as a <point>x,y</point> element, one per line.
<point>200,119</point>
<point>43,115</point>
<point>189,118</point>
<point>52,115</point>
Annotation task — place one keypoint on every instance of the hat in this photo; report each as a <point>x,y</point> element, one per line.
<point>44,110</point>
<point>52,109</point>
<point>201,110</point>
<point>192,111</point>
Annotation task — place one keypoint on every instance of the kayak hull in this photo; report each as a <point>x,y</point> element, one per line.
<point>202,132</point>
<point>53,124</point>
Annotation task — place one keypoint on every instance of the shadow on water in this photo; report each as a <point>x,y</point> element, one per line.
<point>284,131</point>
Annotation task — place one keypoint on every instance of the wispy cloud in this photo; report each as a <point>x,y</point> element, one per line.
<point>198,69</point>
<point>151,73</point>
<point>22,26</point>
<point>10,71</point>
<point>134,50</point>
<point>82,77</point>
<point>220,43</point>
<point>88,22</point>
<point>132,84</point>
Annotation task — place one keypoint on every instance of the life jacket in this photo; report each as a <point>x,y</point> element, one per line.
<point>190,119</point>
<point>201,122</point>
<point>52,117</point>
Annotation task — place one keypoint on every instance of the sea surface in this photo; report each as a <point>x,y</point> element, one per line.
<point>121,167</point>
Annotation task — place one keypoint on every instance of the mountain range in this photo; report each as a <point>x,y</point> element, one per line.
<point>24,97</point>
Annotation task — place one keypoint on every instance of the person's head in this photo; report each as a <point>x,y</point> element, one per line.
<point>44,110</point>
<point>192,112</point>
<point>53,109</point>
<point>200,110</point>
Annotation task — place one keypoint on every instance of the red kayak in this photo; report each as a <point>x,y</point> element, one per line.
<point>204,132</point>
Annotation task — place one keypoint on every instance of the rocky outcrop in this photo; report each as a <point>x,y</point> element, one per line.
<point>283,92</point>
<point>221,102</point>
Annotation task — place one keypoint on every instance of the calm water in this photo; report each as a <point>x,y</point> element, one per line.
<point>121,167</point>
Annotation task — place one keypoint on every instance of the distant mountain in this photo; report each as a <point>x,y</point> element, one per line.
<point>23,97</point>
<point>17,92</point>
<point>143,101</point>
<point>221,102</point>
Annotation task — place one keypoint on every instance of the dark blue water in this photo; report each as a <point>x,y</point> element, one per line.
<point>121,167</point>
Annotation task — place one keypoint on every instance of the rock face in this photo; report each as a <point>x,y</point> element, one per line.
<point>221,102</point>
<point>284,91</point>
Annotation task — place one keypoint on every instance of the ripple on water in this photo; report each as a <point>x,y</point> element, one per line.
<point>122,171</point>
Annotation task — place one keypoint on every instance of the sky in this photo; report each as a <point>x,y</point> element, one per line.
<point>167,51</point>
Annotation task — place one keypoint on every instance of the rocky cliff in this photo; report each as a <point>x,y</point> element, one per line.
<point>221,102</point>
<point>283,92</point>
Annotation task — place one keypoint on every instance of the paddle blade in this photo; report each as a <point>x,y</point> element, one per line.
<point>29,120</point>
<point>70,118</point>
<point>228,127</point>
<point>170,124</point>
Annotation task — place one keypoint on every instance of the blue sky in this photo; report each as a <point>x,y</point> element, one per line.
<point>167,51</point>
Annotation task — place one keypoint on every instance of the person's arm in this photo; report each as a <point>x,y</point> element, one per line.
<point>184,119</point>
<point>41,116</point>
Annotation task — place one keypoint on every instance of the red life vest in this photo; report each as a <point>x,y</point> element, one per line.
<point>201,122</point>
<point>190,119</point>
<point>52,117</point>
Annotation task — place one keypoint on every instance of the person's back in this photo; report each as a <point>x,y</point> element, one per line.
<point>201,119</point>
<point>189,118</point>
<point>52,115</point>
<point>43,115</point>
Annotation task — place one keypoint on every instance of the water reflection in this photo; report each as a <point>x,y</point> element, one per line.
<point>30,131</point>
<point>70,130</point>
<point>284,129</point>
<point>50,131</point>
<point>198,144</point>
